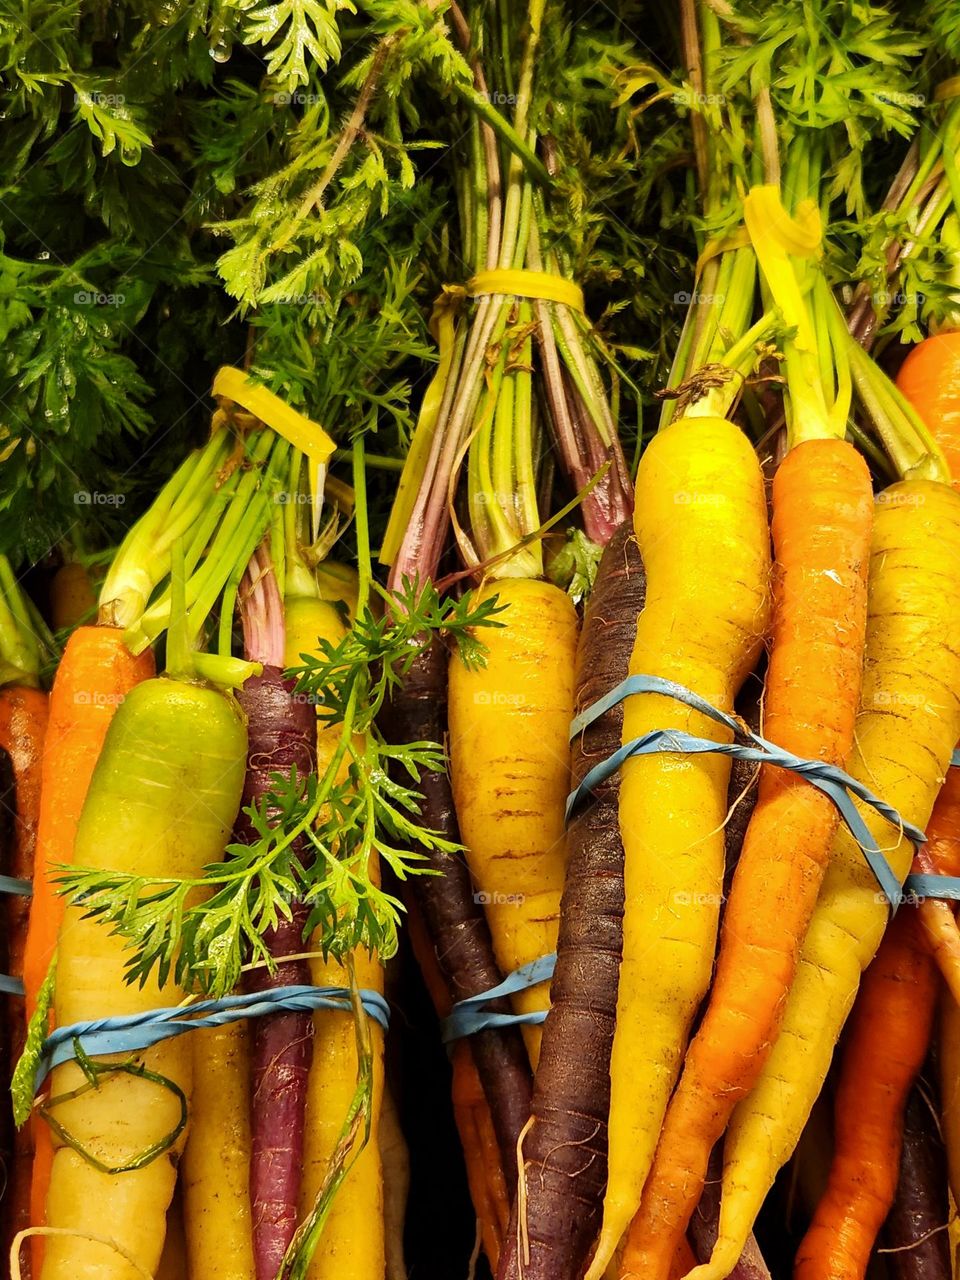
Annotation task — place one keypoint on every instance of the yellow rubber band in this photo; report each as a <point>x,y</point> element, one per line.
<point>527,284</point>
<point>304,434</point>
<point>948,89</point>
<point>739,239</point>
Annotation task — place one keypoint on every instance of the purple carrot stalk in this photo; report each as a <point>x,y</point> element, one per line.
<point>454,920</point>
<point>916,1243</point>
<point>282,734</point>
<point>565,1149</point>
<point>704,1227</point>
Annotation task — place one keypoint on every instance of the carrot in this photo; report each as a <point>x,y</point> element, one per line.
<point>73,600</point>
<point>471,1110</point>
<point>353,1239</point>
<point>885,1045</point>
<point>509,769</point>
<point>23,725</point>
<point>215,1170</point>
<point>822,517</point>
<point>908,722</point>
<point>95,674</point>
<point>704,1224</point>
<point>458,943</point>
<point>915,1237</point>
<point>949,1077</point>
<point>565,1149</point>
<point>161,802</point>
<point>930,379</point>
<point>702,533</point>
<point>352,1246</point>
<point>940,855</point>
<point>173,1260</point>
<point>485,1175</point>
<point>282,735</point>
<point>395,1161</point>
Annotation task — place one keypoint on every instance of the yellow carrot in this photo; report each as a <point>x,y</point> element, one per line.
<point>215,1171</point>
<point>509,765</point>
<point>352,1244</point>
<point>701,526</point>
<point>908,724</point>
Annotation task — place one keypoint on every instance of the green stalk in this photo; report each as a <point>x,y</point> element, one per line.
<point>143,559</point>
<point>19,646</point>
<point>913,450</point>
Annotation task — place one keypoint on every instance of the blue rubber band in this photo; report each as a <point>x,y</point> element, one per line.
<point>131,1032</point>
<point>16,887</point>
<point>827,778</point>
<point>11,986</point>
<point>469,1016</point>
<point>955,760</point>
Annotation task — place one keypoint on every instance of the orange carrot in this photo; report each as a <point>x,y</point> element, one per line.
<point>471,1111</point>
<point>23,724</point>
<point>822,504</point>
<point>930,379</point>
<point>95,673</point>
<point>885,1047</point>
<point>941,856</point>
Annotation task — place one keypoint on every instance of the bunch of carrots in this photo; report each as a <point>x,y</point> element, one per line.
<point>672,837</point>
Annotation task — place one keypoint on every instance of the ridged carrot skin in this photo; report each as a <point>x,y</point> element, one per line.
<point>930,379</point>
<point>822,519</point>
<point>908,724</point>
<point>509,764</point>
<point>23,726</point>
<point>95,674</point>
<point>565,1149</point>
<point>883,1050</point>
<point>701,525</point>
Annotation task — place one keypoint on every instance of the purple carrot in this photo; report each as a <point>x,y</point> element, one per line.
<point>282,734</point>
<point>453,918</point>
<point>565,1150</point>
<point>704,1227</point>
<point>916,1243</point>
